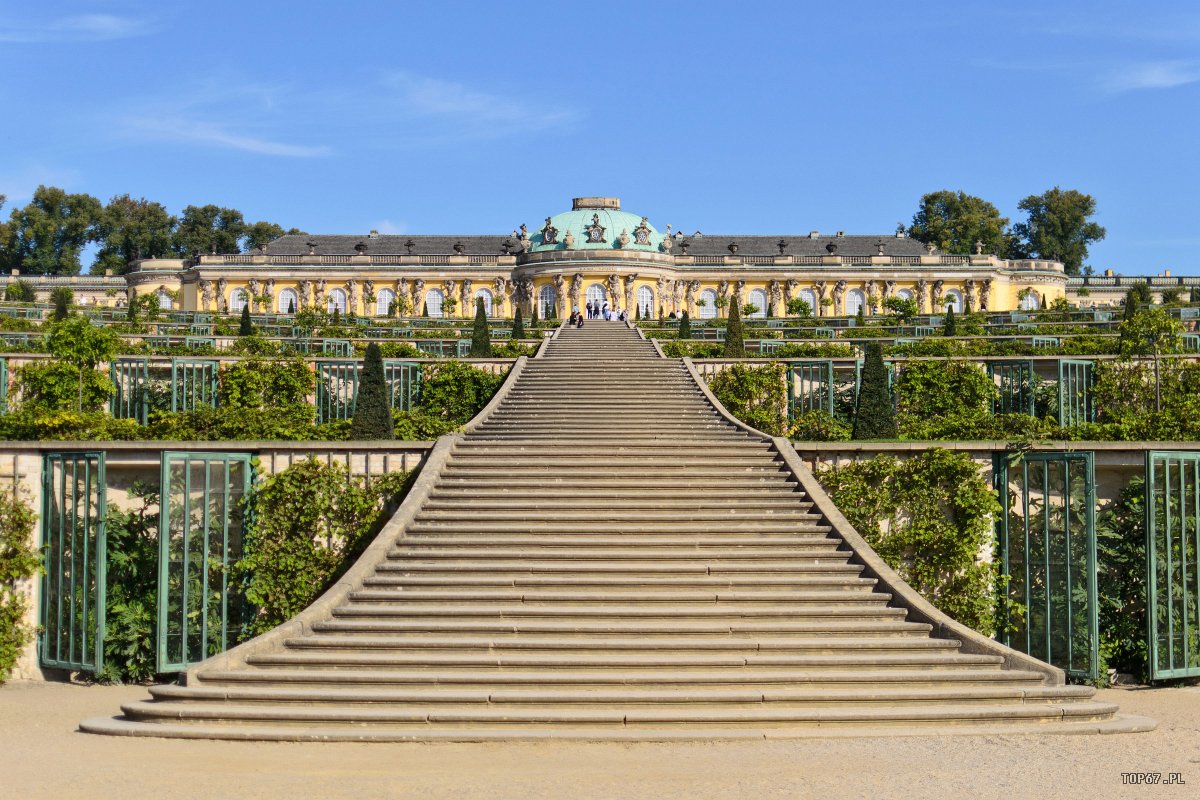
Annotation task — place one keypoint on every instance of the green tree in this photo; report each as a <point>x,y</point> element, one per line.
<point>260,234</point>
<point>874,417</point>
<point>735,342</point>
<point>481,337</point>
<point>518,329</point>
<point>902,307</point>
<point>860,316</point>
<point>62,297</point>
<point>799,307</point>
<point>1151,331</point>
<point>950,326</point>
<point>373,408</point>
<point>533,318</point>
<point>47,236</point>
<point>954,221</point>
<point>19,292</point>
<point>209,229</point>
<point>1058,227</point>
<point>19,560</point>
<point>77,342</point>
<point>131,229</point>
<point>685,326</point>
<point>245,326</point>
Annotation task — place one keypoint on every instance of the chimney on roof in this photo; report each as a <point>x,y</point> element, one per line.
<point>374,234</point>
<point>1108,273</point>
<point>814,234</point>
<point>840,234</point>
<point>1166,273</point>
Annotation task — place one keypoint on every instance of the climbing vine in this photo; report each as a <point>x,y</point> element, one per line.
<point>755,395</point>
<point>19,561</point>
<point>930,518</point>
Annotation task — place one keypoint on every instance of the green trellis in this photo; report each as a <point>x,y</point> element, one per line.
<point>3,385</point>
<point>810,387</point>
<point>1016,381</point>
<point>1173,565</point>
<point>1075,379</point>
<point>1047,539</point>
<point>71,614</point>
<point>194,383</point>
<point>337,387</point>
<point>201,526</point>
<point>131,377</point>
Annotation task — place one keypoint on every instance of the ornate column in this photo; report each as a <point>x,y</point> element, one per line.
<point>774,297</point>
<point>576,290</point>
<point>820,288</point>
<point>969,294</point>
<point>560,295</point>
<point>985,291</point>
<point>692,287</point>
<point>630,280</point>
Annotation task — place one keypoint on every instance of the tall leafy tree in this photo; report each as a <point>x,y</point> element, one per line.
<point>77,342</point>
<point>954,221</point>
<point>1059,227</point>
<point>47,236</point>
<point>207,229</point>
<point>260,234</point>
<point>130,229</point>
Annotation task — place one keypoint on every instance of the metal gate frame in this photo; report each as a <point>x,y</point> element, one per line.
<point>166,660</point>
<point>194,383</point>
<point>1075,380</point>
<point>819,373</point>
<point>1016,385</point>
<point>1070,461</point>
<point>58,528</point>
<point>1173,530</point>
<point>130,376</point>
<point>3,385</point>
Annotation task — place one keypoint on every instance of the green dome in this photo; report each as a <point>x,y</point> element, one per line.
<point>611,218</point>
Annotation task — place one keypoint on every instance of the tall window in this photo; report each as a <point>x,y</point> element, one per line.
<point>953,299</point>
<point>645,301</point>
<point>810,297</point>
<point>757,298</point>
<point>855,299</point>
<point>904,294</point>
<point>433,302</point>
<point>706,304</point>
<point>164,300</point>
<point>383,301</point>
<point>486,296</point>
<point>1030,302</point>
<point>288,301</point>
<point>546,301</point>
<point>596,295</point>
<point>336,301</point>
<point>237,300</point>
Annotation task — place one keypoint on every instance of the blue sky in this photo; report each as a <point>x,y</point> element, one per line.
<point>728,118</point>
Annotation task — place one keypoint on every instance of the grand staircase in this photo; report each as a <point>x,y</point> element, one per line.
<point>606,554</point>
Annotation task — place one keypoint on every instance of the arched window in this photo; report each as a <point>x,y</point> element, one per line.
<point>383,301</point>
<point>237,301</point>
<point>164,300</point>
<point>486,296</point>
<point>904,294</point>
<point>596,295</point>
<point>758,299</point>
<point>546,302</point>
<point>433,302</point>
<point>855,299</point>
<point>288,301</point>
<point>953,299</point>
<point>1029,302</point>
<point>336,301</point>
<point>706,304</point>
<point>645,301</point>
<point>810,297</point>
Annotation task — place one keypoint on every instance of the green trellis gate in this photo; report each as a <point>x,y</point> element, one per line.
<point>200,612</point>
<point>1173,566</point>
<point>1047,537</point>
<point>74,504</point>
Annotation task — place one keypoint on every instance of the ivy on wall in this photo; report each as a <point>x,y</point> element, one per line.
<point>755,395</point>
<point>19,561</point>
<point>930,518</point>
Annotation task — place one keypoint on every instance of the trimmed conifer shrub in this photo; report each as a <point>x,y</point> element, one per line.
<point>481,338</point>
<point>62,297</point>
<point>735,341</point>
<point>518,331</point>
<point>874,417</point>
<point>950,327</point>
<point>533,320</point>
<point>372,410</point>
<point>246,327</point>
<point>685,327</point>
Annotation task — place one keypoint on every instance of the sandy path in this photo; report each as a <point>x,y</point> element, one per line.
<point>42,756</point>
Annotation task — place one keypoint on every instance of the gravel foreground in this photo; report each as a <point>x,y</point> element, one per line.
<point>43,756</point>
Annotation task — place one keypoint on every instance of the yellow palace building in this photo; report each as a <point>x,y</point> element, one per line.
<point>594,253</point>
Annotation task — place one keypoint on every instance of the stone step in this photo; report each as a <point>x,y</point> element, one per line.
<point>600,630</point>
<point>659,582</point>
<point>728,613</point>
<point>500,499</point>
<point>789,519</point>
<point>630,569</point>
<point>524,539</point>
<point>458,644</point>
<point>771,597</point>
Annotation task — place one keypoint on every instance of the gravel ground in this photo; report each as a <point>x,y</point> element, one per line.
<point>42,755</point>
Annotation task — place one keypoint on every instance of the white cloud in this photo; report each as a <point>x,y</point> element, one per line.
<point>181,129</point>
<point>1153,75</point>
<point>79,28</point>
<point>387,227</point>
